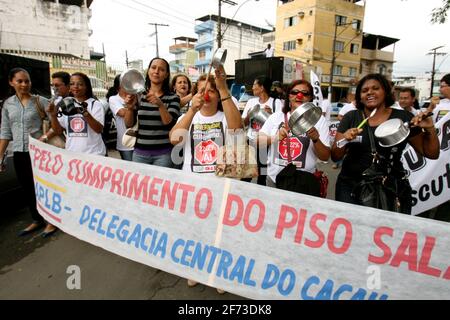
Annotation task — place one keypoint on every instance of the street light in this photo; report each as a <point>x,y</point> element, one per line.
<point>333,58</point>
<point>220,35</point>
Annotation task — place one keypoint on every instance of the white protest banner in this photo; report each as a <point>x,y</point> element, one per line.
<point>318,98</point>
<point>430,179</point>
<point>254,241</point>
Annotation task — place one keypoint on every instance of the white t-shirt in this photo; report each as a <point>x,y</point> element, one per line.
<point>441,109</point>
<point>115,104</point>
<point>269,52</point>
<point>326,108</point>
<point>80,137</point>
<point>302,148</point>
<point>206,135</point>
<point>347,108</point>
<point>254,126</point>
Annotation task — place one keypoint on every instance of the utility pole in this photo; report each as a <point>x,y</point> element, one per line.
<point>126,58</point>
<point>219,22</point>
<point>156,33</point>
<point>433,72</point>
<point>333,58</point>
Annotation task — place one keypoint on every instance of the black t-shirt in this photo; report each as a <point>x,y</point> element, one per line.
<point>359,155</point>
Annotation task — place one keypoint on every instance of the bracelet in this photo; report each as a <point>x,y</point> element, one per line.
<point>429,130</point>
<point>315,141</point>
<point>226,98</point>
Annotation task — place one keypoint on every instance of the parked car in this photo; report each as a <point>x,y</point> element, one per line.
<point>335,108</point>
<point>10,188</point>
<point>243,100</point>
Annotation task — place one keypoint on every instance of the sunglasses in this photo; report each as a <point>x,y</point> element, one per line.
<point>296,92</point>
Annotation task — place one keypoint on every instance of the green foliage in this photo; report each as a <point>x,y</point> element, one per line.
<point>439,15</point>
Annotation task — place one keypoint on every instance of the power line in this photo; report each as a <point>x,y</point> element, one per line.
<point>434,53</point>
<point>156,33</point>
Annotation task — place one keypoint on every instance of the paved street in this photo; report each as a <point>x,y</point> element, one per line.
<point>35,268</point>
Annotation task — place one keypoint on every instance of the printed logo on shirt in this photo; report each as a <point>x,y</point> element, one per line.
<point>299,147</point>
<point>77,127</point>
<point>205,143</point>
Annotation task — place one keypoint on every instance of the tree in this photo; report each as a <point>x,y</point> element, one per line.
<point>439,15</point>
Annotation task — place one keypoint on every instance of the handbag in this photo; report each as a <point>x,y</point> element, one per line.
<point>378,190</point>
<point>323,182</point>
<point>130,136</point>
<point>294,180</point>
<point>236,159</point>
<point>58,141</point>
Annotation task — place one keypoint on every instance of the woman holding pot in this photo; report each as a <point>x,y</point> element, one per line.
<point>84,129</point>
<point>374,93</point>
<point>305,149</point>
<point>211,114</point>
<point>158,112</point>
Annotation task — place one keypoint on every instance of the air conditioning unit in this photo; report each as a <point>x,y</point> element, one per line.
<point>301,14</point>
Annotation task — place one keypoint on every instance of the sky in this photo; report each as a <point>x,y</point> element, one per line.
<point>123,25</point>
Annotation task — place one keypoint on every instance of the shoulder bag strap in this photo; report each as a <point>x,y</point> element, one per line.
<point>373,147</point>
<point>38,106</point>
<point>288,143</point>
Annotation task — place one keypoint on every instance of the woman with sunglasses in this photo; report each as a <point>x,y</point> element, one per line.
<point>84,129</point>
<point>305,149</point>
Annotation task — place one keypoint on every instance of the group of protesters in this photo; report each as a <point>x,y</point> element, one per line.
<point>174,117</point>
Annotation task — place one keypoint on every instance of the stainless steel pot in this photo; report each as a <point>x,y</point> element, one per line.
<point>304,118</point>
<point>258,113</point>
<point>219,58</point>
<point>392,132</point>
<point>132,81</point>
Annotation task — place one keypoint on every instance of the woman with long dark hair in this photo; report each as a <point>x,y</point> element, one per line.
<point>20,119</point>
<point>84,129</point>
<point>374,93</point>
<point>157,113</point>
<point>305,149</point>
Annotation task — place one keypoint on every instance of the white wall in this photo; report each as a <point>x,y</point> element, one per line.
<point>36,25</point>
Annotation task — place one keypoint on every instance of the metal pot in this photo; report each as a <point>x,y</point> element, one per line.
<point>392,132</point>
<point>304,118</point>
<point>219,58</point>
<point>258,113</point>
<point>132,81</point>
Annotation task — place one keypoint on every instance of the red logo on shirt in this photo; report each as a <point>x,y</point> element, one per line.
<point>296,148</point>
<point>77,124</point>
<point>206,152</point>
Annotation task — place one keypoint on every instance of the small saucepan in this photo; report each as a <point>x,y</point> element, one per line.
<point>304,118</point>
<point>393,132</point>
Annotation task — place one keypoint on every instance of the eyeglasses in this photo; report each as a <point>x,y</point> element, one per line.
<point>296,92</point>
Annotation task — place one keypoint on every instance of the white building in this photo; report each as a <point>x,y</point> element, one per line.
<point>239,39</point>
<point>422,84</point>
<point>51,26</point>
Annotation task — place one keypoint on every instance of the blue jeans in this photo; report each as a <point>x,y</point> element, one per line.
<point>163,160</point>
<point>126,155</point>
<point>344,189</point>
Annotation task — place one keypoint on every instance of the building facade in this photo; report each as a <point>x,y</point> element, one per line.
<point>328,34</point>
<point>185,56</point>
<point>55,31</point>
<point>56,26</point>
<point>239,39</point>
